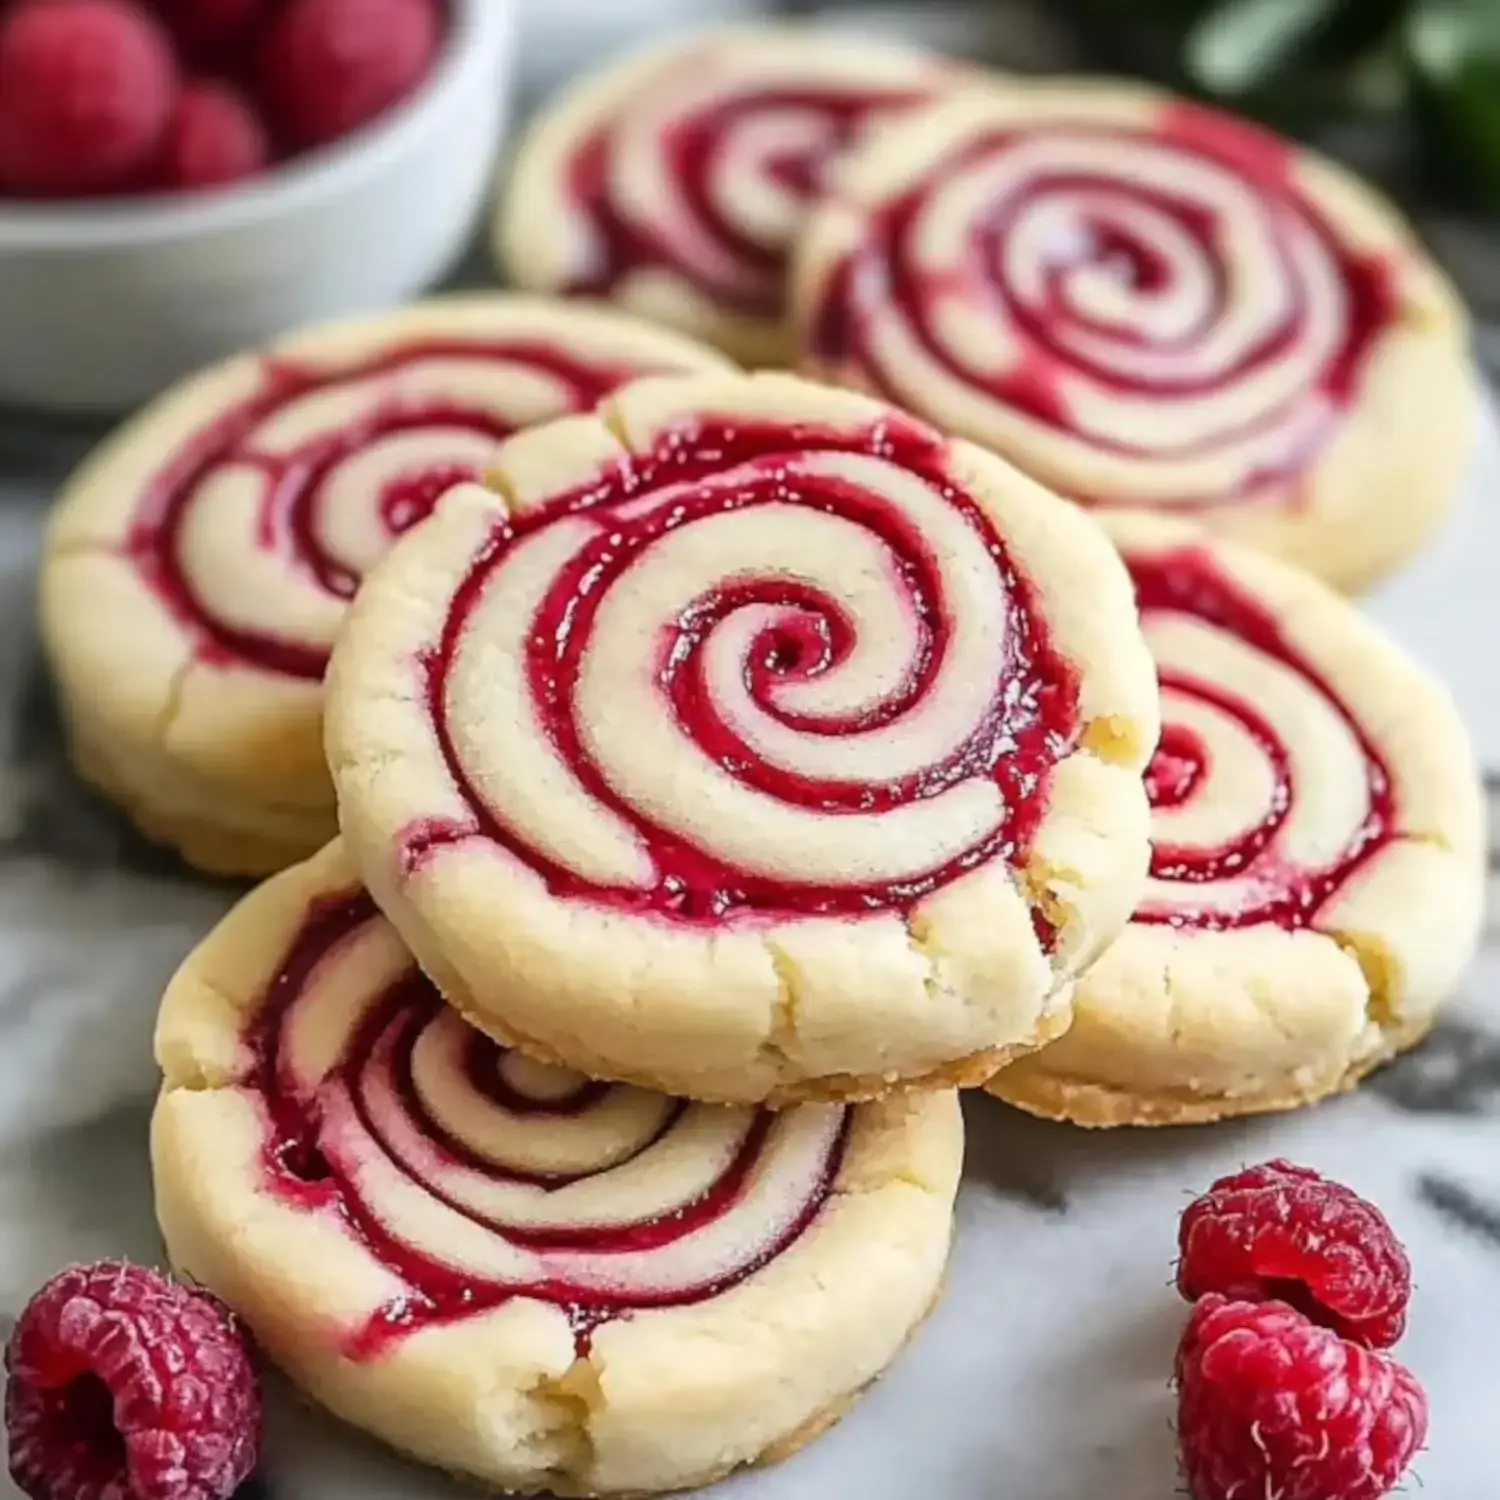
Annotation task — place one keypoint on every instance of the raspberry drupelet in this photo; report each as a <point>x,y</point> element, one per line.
<point>1271,1405</point>
<point>1284,1231</point>
<point>125,1385</point>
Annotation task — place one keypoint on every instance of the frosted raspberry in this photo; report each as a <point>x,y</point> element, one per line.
<point>126,1386</point>
<point>87,88</point>
<point>1283,1231</point>
<point>1269,1404</point>
<point>329,66</point>
<point>216,138</point>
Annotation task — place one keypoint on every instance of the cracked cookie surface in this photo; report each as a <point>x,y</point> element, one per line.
<point>749,740</point>
<point>500,1266</point>
<point>199,565</point>
<point>1317,871</point>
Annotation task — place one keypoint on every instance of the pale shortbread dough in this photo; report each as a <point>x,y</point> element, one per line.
<point>675,181</point>
<point>1318,870</point>
<point>749,740</point>
<point>198,566</point>
<point>504,1269</point>
<point>1146,304</point>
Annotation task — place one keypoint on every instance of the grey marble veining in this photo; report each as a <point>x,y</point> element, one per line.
<point>1043,1376</point>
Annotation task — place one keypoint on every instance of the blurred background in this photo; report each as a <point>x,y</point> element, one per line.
<point>1408,91</point>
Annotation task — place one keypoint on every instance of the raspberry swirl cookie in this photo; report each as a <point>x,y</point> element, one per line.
<point>1317,868</point>
<point>674,182</point>
<point>1149,305</point>
<point>502,1267</point>
<point>752,742</point>
<point>199,565</point>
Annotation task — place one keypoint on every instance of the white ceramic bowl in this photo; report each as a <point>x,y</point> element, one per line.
<point>103,304</point>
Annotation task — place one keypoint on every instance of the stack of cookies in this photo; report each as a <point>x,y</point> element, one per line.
<point>683,780</point>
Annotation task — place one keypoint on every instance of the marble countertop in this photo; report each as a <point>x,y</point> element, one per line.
<point>1043,1376</point>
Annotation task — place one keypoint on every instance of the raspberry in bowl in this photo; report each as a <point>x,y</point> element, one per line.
<point>182,178</point>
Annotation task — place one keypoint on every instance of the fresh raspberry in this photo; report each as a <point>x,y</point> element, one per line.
<point>87,88</point>
<point>210,32</point>
<point>216,138</point>
<point>329,66</point>
<point>1283,1231</point>
<point>126,1386</point>
<point>1269,1404</point>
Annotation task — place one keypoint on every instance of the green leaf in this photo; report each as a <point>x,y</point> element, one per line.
<point>1462,120</point>
<point>1243,42</point>
<point>1445,36</point>
<point>1151,13</point>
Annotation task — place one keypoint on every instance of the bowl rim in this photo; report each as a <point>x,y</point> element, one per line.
<point>479,35</point>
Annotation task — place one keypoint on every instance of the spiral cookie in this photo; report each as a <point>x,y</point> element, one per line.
<point>200,564</point>
<point>1317,869</point>
<point>499,1266</point>
<point>675,181</point>
<point>758,744</point>
<point>1149,305</point>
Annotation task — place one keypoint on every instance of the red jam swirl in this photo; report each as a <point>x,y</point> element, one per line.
<point>1023,722</point>
<point>327,1136</point>
<point>697,236</point>
<point>291,521</point>
<point>1271,888</point>
<point>1177,766</point>
<point>1263,284</point>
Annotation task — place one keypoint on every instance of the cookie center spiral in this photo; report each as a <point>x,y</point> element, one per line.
<point>1181,759</point>
<point>762,668</point>
<point>257,533</point>
<point>475,1176</point>
<point>712,182</point>
<point>1268,795</point>
<point>1170,299</point>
